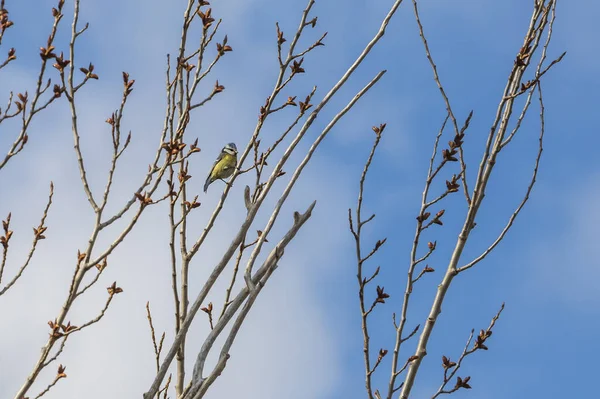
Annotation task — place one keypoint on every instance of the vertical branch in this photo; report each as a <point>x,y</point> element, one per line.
<point>157,346</point>
<point>180,95</point>
<point>414,261</point>
<point>184,299</point>
<point>71,99</point>
<point>362,281</point>
<point>174,284</point>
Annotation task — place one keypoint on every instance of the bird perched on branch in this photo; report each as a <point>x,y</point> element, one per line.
<point>223,166</point>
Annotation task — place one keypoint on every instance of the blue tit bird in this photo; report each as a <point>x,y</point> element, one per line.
<point>223,166</point>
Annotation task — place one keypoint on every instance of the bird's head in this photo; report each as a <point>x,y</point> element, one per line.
<point>230,149</point>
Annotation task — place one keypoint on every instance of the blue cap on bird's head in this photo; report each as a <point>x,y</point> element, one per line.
<point>230,148</point>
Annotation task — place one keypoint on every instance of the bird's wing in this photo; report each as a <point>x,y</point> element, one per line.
<point>208,178</point>
<point>219,158</point>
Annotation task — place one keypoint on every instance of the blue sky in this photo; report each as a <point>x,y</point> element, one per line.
<point>303,338</point>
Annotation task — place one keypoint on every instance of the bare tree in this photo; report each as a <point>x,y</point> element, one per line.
<point>235,308</point>
<point>250,260</point>
<point>500,135</point>
<point>192,64</point>
<point>92,260</point>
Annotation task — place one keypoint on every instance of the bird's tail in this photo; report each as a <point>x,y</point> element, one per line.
<point>207,183</point>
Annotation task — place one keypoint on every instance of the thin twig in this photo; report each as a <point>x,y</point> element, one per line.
<point>236,267</point>
<point>484,335</point>
<point>436,77</point>
<point>431,174</point>
<point>27,117</point>
<point>38,235</point>
<point>153,336</point>
<point>362,282</point>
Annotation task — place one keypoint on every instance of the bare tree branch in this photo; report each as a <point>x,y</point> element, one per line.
<point>38,234</point>
<point>436,77</point>
<point>539,21</point>
<point>27,114</point>
<point>525,197</point>
<point>264,188</point>
<point>453,367</point>
<point>260,275</point>
<point>362,281</point>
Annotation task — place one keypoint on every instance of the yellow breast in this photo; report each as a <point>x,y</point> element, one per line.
<point>224,168</point>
